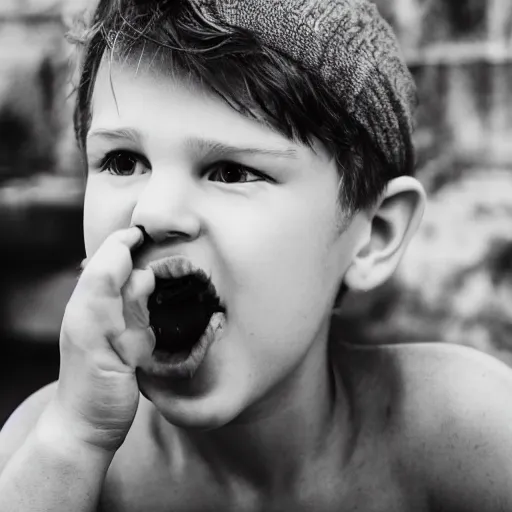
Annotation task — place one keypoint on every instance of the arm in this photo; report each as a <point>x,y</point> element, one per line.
<point>50,470</point>
<point>57,447</point>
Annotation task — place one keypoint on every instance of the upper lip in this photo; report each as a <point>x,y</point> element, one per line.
<point>157,258</point>
<point>173,267</point>
<point>176,266</point>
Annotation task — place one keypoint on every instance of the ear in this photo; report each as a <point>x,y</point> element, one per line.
<point>388,228</point>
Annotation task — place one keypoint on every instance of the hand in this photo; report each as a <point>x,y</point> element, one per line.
<point>105,335</point>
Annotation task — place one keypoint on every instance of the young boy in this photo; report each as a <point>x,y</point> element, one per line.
<point>246,162</point>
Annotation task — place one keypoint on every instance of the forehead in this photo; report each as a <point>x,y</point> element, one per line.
<point>149,96</point>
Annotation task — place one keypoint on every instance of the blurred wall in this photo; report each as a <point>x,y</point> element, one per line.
<point>41,176</point>
<point>41,189</point>
<point>454,283</point>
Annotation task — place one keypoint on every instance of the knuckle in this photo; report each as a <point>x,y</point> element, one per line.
<point>98,279</point>
<point>109,267</point>
<point>114,330</point>
<point>117,236</point>
<point>100,360</point>
<point>88,316</point>
<point>141,284</point>
<point>129,291</point>
<point>133,287</point>
<point>121,237</point>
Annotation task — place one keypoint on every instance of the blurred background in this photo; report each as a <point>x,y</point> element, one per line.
<point>455,282</point>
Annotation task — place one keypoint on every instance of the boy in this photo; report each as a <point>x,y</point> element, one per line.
<point>246,161</point>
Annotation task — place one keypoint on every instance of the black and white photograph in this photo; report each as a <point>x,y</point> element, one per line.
<point>331,331</point>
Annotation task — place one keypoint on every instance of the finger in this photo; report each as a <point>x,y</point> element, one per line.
<point>111,265</point>
<point>128,240</point>
<point>135,346</point>
<point>137,342</point>
<point>135,293</point>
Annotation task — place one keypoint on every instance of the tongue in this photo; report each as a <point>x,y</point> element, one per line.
<point>179,312</point>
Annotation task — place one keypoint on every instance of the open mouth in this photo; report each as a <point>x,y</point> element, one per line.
<point>180,310</point>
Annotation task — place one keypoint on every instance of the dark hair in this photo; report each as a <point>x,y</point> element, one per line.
<point>249,76</point>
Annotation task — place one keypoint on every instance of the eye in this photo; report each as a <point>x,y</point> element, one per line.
<point>231,172</point>
<point>123,163</point>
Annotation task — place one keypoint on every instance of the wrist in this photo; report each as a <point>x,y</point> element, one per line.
<point>56,435</point>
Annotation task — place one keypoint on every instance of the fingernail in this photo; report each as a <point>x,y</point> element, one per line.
<point>145,237</point>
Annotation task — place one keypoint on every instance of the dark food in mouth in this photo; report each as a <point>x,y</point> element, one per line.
<point>180,310</point>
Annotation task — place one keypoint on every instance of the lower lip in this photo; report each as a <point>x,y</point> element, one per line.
<point>184,366</point>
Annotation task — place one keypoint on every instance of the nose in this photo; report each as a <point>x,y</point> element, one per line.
<point>166,208</point>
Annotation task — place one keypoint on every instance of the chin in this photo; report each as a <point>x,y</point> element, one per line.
<point>198,422</point>
<point>193,406</point>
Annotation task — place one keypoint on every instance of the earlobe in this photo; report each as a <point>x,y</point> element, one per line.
<point>391,225</point>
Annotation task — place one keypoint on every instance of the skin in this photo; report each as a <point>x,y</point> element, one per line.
<point>274,419</point>
<point>263,250</point>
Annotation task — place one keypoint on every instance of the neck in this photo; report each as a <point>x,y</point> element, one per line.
<point>273,443</point>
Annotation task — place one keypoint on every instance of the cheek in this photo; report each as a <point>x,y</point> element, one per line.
<point>284,263</point>
<point>105,210</point>
<point>282,281</point>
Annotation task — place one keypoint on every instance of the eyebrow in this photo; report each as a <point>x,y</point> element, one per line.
<point>205,146</point>
<point>217,147</point>
<point>119,134</point>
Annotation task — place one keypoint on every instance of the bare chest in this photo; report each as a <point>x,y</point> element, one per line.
<point>370,487</point>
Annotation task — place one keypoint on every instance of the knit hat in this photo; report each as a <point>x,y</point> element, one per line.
<point>350,46</point>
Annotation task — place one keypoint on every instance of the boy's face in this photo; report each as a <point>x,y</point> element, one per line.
<point>272,239</point>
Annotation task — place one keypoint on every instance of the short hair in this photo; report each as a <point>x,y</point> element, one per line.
<point>248,75</point>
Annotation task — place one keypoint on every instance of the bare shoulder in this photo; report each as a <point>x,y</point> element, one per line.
<point>458,374</point>
<point>22,421</point>
<point>449,382</point>
<point>456,424</point>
